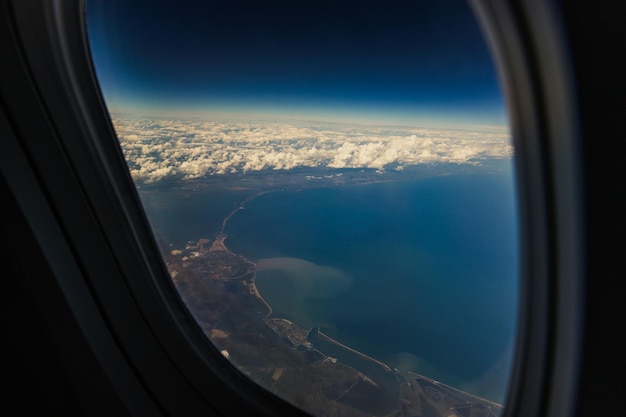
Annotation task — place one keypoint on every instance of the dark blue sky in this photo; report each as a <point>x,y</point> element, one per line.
<point>400,61</point>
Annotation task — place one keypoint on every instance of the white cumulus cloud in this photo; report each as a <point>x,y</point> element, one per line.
<point>157,148</point>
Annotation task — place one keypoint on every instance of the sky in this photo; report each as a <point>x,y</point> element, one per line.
<point>419,63</point>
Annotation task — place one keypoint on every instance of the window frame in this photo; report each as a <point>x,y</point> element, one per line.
<point>100,271</point>
<point>528,42</point>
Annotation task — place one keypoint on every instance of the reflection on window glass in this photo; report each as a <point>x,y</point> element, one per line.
<point>332,189</point>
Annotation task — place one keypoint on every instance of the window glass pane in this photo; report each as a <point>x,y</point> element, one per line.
<point>332,189</point>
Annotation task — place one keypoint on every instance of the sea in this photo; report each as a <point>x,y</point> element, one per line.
<point>420,274</point>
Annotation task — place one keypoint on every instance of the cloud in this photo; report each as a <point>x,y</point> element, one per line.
<point>157,148</point>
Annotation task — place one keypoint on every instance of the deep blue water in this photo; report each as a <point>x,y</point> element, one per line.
<point>420,274</point>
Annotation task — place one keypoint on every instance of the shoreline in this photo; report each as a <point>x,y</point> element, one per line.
<point>242,205</point>
<point>450,387</point>
<point>220,243</point>
<point>362,355</point>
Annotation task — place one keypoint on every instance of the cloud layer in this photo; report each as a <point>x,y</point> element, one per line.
<point>157,148</point>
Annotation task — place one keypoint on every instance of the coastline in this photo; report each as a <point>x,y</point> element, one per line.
<point>362,355</point>
<point>220,244</point>
<point>242,205</point>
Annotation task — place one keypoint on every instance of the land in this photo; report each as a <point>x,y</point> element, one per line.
<point>304,178</point>
<point>304,366</point>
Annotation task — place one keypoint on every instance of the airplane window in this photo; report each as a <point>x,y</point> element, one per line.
<point>332,189</point>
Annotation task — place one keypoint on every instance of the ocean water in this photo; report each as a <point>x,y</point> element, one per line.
<point>179,216</point>
<point>421,274</point>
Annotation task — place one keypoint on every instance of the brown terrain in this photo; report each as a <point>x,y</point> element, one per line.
<point>303,366</point>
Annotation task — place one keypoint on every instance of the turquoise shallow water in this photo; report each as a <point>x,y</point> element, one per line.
<point>420,274</point>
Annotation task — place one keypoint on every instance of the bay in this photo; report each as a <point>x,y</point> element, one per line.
<point>420,274</point>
